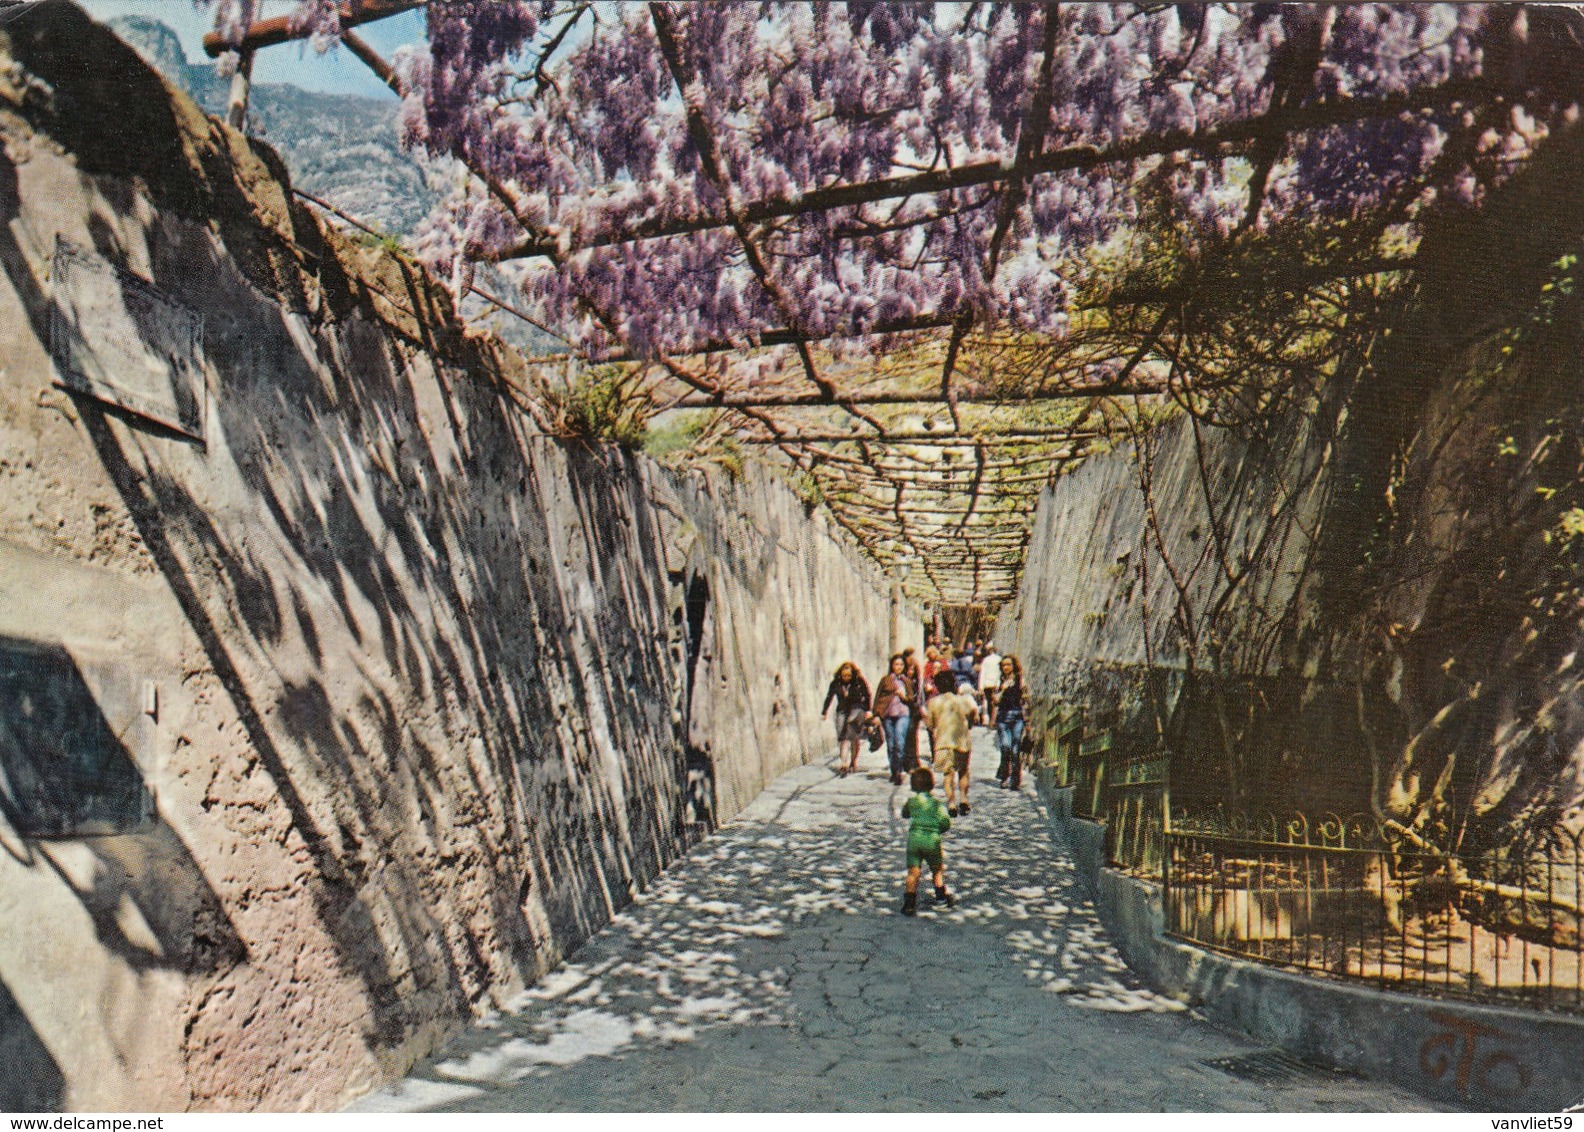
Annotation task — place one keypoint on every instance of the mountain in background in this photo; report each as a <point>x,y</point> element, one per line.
<point>340,147</point>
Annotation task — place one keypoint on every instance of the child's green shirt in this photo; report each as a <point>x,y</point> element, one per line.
<point>929,820</point>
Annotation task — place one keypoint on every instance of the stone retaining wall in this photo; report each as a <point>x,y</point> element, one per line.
<point>339,703</point>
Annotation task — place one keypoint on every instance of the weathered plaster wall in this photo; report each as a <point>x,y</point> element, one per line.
<point>1377,601</point>
<point>799,606</point>
<point>424,710</point>
<point>1129,597</point>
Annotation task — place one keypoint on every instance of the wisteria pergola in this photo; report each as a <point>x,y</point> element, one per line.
<point>931,255</point>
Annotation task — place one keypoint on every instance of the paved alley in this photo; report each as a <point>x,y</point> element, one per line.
<point>770,970</point>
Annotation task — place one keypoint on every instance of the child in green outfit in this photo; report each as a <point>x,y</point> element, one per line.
<point>929,821</point>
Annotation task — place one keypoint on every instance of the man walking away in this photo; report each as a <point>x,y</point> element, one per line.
<point>948,717</point>
<point>962,667</point>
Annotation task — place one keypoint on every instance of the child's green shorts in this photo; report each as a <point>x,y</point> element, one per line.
<point>924,851</point>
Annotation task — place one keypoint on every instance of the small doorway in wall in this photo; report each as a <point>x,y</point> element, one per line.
<point>699,764</point>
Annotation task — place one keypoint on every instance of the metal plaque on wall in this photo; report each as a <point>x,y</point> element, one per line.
<point>66,769</point>
<point>122,340</point>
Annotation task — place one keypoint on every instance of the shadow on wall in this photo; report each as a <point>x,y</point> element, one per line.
<point>700,813</point>
<point>63,771</point>
<point>67,779</point>
<point>364,554</point>
<point>30,1081</point>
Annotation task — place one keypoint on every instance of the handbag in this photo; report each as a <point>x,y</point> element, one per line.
<point>875,736</point>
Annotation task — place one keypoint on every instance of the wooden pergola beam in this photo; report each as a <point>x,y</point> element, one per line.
<point>952,549</point>
<point>985,583</point>
<point>935,502</point>
<point>991,523</point>
<point>1018,505</point>
<point>278,29</point>
<point>1230,137</point>
<point>781,336</point>
<point>1004,574</point>
<point>1008,437</point>
<point>859,397</point>
<point>985,539</point>
<point>959,545</point>
<point>963,584</point>
<point>933,467</point>
<point>1003,556</point>
<point>936,489</point>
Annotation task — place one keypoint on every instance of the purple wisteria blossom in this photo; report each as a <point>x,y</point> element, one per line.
<point>849,169</point>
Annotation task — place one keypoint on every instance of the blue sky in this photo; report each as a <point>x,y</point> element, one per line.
<point>337,71</point>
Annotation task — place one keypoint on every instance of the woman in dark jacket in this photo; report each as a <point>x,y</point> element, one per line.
<point>851,694</point>
<point>893,706</point>
<point>1009,719</point>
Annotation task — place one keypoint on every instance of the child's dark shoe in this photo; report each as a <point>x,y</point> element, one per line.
<point>963,809</point>
<point>910,904</point>
<point>946,898</point>
<point>952,810</point>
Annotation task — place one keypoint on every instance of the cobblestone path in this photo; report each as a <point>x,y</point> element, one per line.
<point>770,970</point>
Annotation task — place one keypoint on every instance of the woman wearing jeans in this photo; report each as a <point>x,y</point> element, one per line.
<point>893,704</point>
<point>1009,724</point>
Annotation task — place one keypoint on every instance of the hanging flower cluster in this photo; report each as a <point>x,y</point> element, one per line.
<point>869,167</point>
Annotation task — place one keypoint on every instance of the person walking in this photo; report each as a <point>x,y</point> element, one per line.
<point>915,679</point>
<point>962,666</point>
<point>937,658</point>
<point>928,822</point>
<point>893,706</point>
<point>1009,724</point>
<point>948,717</point>
<point>850,692</point>
<point>989,680</point>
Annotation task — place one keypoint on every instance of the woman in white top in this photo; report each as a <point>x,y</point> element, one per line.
<point>989,682</point>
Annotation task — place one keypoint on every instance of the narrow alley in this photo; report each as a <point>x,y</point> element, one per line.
<point>770,970</point>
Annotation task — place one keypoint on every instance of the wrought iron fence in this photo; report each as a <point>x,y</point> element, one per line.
<point>1125,793</point>
<point>1344,896</point>
<point>1137,800</point>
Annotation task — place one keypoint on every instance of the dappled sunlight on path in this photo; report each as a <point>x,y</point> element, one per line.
<point>771,970</point>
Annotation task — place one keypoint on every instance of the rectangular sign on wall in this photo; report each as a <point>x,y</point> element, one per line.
<point>120,339</point>
<point>65,768</point>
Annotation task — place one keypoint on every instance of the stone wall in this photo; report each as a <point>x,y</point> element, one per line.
<point>1129,606</point>
<point>338,702</point>
<point>1376,601</point>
